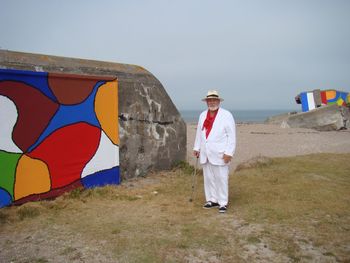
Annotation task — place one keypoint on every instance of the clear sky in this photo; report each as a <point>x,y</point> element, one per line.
<point>259,54</point>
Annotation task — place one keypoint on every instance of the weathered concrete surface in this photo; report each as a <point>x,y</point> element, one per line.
<point>152,132</point>
<point>325,118</point>
<point>279,119</point>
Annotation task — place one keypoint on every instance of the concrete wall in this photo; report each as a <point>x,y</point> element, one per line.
<point>152,133</point>
<point>326,118</point>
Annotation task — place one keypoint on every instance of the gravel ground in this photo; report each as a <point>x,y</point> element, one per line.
<point>273,141</point>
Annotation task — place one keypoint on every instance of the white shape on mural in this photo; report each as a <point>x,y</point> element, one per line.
<point>106,157</point>
<point>8,118</point>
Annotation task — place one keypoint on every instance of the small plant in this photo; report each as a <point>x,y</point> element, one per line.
<point>256,162</point>
<point>253,240</point>
<point>28,212</point>
<point>3,217</point>
<point>68,250</point>
<point>116,231</point>
<point>75,193</point>
<point>124,197</point>
<point>40,260</point>
<point>100,191</point>
<point>105,192</point>
<point>55,205</point>
<point>184,166</point>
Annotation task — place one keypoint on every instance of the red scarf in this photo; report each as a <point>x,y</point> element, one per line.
<point>208,123</point>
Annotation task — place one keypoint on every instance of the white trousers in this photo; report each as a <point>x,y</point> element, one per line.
<point>216,183</point>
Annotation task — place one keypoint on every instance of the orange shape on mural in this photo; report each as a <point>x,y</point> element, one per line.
<point>106,108</point>
<point>330,94</point>
<point>32,177</point>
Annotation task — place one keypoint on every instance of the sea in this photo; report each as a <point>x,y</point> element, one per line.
<point>240,116</point>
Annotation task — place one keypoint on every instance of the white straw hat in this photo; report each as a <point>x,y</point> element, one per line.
<point>212,94</point>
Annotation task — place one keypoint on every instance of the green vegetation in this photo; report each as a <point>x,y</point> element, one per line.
<point>184,166</point>
<point>3,217</point>
<point>27,211</point>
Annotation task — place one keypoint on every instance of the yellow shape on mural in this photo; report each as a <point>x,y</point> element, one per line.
<point>330,94</point>
<point>32,177</point>
<point>340,101</point>
<point>106,108</point>
<point>348,98</point>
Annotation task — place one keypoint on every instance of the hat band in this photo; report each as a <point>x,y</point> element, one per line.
<point>213,95</point>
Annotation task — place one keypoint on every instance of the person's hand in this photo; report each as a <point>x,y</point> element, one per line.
<point>227,158</point>
<point>196,154</point>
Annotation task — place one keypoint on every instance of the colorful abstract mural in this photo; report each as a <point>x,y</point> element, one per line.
<point>313,99</point>
<point>330,97</point>
<point>57,132</point>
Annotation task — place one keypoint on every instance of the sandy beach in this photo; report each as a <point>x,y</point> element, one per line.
<point>273,141</point>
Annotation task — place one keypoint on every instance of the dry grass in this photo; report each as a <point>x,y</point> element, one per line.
<point>287,210</point>
<point>256,162</point>
<point>305,202</point>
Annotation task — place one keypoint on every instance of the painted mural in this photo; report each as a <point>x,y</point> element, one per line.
<point>57,132</point>
<point>330,97</point>
<point>316,98</point>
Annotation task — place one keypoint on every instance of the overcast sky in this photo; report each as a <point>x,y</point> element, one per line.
<point>259,54</point>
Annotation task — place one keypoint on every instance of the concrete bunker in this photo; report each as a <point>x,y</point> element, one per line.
<point>152,134</point>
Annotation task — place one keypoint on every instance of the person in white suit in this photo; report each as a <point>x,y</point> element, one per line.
<point>215,145</point>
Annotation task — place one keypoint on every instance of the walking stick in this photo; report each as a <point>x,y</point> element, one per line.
<point>194,181</point>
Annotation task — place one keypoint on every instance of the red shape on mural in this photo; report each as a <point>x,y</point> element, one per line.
<point>72,89</point>
<point>34,112</point>
<point>67,151</point>
<point>51,194</point>
<point>323,97</point>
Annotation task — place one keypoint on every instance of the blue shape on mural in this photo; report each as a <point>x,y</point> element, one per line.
<point>344,96</point>
<point>38,80</point>
<point>101,178</point>
<point>70,114</point>
<point>5,198</point>
<point>304,102</point>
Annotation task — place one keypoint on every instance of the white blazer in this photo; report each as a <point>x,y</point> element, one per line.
<point>221,139</point>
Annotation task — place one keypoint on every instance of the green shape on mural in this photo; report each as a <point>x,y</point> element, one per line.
<point>8,164</point>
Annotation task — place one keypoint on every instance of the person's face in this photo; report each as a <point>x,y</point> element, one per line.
<point>213,104</point>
